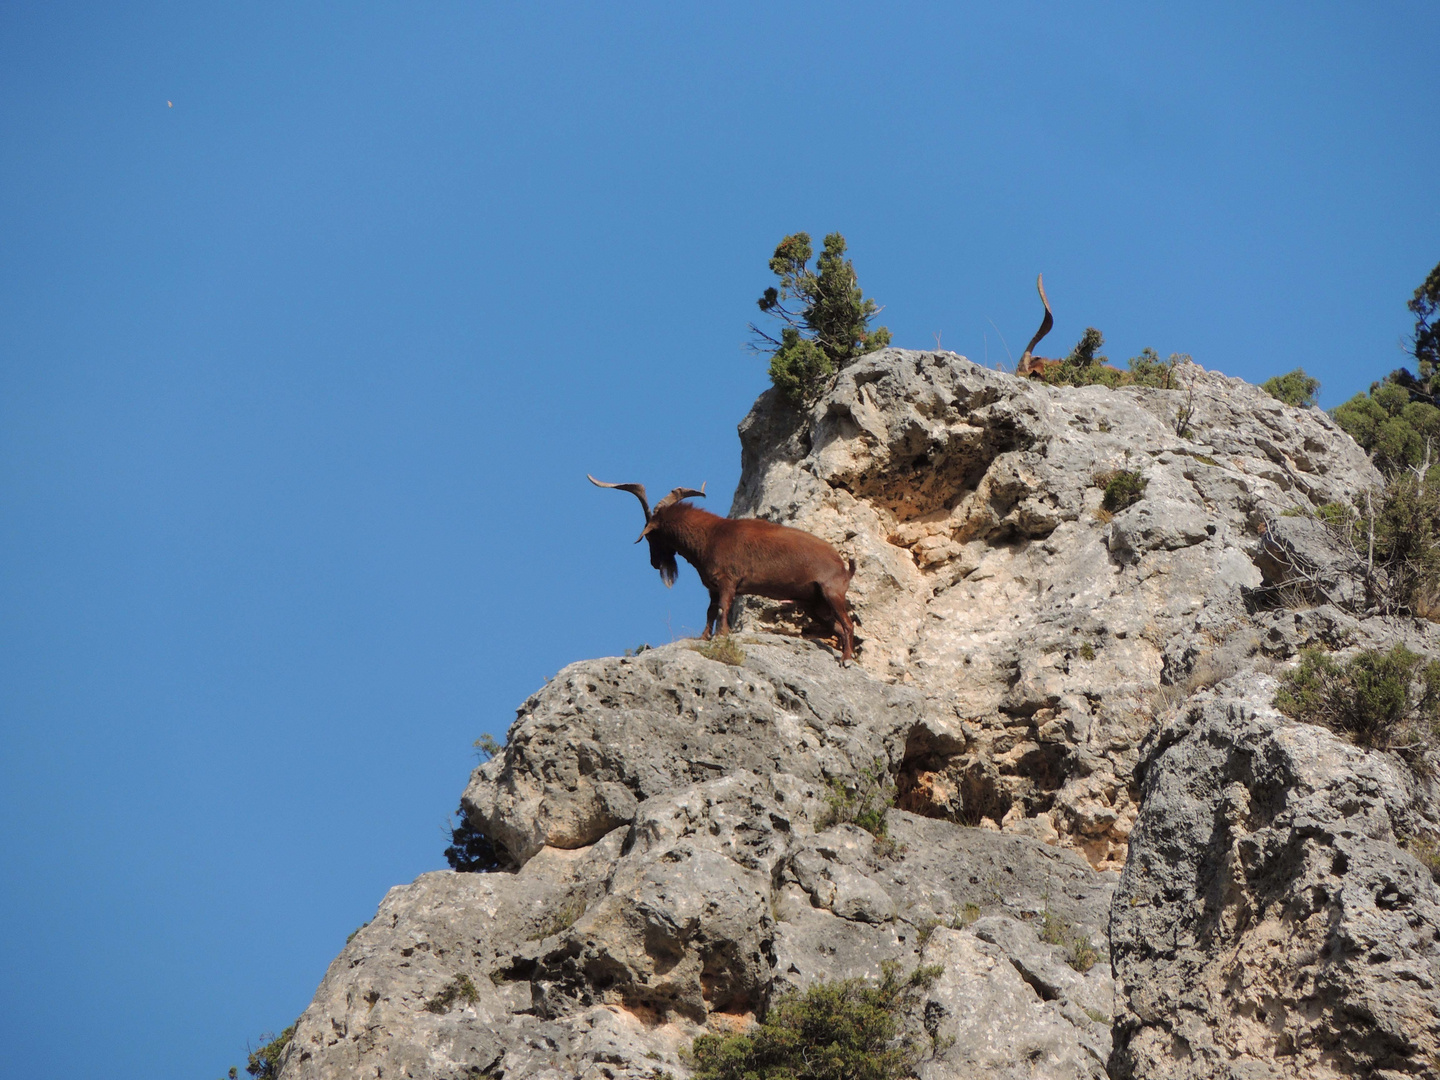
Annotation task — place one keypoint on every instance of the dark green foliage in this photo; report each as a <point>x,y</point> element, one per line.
<point>264,1063</point>
<point>861,803</point>
<point>1295,388</point>
<point>848,1030</point>
<point>1425,305</point>
<point>1084,366</point>
<point>1390,423</point>
<point>1123,488</point>
<point>470,850</point>
<point>1385,700</point>
<point>826,317</point>
<point>1087,349</point>
<point>1397,417</point>
<point>460,988</point>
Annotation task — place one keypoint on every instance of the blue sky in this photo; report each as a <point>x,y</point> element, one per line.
<point>300,377</point>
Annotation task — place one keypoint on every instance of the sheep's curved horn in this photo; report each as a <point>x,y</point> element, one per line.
<point>670,500</point>
<point>677,494</point>
<point>1045,324</point>
<point>638,490</point>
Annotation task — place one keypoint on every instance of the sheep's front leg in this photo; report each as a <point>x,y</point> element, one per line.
<point>712,614</point>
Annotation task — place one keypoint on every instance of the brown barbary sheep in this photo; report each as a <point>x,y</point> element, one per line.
<point>743,557</point>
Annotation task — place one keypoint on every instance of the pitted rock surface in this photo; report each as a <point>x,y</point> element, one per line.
<point>1269,922</point>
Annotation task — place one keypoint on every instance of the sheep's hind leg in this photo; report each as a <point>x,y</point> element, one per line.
<point>844,627</point>
<point>727,600</point>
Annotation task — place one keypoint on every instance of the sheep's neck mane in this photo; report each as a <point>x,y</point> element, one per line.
<point>688,530</point>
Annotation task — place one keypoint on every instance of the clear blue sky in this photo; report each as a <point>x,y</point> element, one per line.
<point>300,378</point>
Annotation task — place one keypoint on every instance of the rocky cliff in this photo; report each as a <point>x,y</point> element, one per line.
<point>1122,860</point>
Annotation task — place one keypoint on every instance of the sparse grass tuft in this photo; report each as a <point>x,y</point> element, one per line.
<point>959,920</point>
<point>724,649</point>
<point>562,918</point>
<point>459,988</point>
<point>1427,850</point>
<point>1080,954</point>
<point>863,802</point>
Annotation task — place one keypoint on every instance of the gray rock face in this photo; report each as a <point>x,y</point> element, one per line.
<point>1268,923</point>
<point>1035,679</point>
<point>604,735</point>
<point>990,579</point>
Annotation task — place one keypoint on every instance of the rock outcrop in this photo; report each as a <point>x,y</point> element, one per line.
<point>1269,922</point>
<point>1049,690</point>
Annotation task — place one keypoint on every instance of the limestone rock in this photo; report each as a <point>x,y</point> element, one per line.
<point>1054,692</point>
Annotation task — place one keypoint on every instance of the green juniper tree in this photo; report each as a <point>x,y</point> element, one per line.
<point>825,314</point>
<point>1398,418</point>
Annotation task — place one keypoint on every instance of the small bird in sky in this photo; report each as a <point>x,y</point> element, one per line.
<point>169,104</point>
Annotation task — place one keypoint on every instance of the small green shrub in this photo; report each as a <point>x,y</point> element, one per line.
<point>264,1064</point>
<point>1080,953</point>
<point>459,988</point>
<point>1384,700</point>
<point>487,746</point>
<point>862,803</point>
<point>644,646</point>
<point>1295,388</point>
<point>724,649</point>
<point>958,920</point>
<point>826,317</point>
<point>356,932</point>
<point>1123,488</point>
<point>1087,651</point>
<point>1148,369</point>
<point>1407,541</point>
<point>470,850</point>
<point>846,1030</point>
